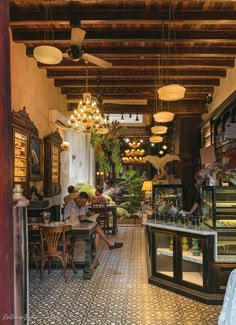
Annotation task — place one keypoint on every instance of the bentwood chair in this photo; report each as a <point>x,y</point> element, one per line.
<point>34,241</point>
<point>103,218</point>
<point>54,244</point>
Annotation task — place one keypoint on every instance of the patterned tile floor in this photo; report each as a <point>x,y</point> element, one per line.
<point>117,294</point>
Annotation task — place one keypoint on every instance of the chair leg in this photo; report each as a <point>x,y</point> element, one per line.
<point>49,264</point>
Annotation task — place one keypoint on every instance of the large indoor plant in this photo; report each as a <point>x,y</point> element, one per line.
<point>107,149</point>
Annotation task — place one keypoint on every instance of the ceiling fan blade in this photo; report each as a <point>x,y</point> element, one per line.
<point>95,60</point>
<point>77,36</point>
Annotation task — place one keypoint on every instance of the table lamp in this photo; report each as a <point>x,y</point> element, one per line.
<point>147,187</point>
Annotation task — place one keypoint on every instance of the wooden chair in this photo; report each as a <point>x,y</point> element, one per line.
<point>53,244</point>
<point>103,218</point>
<point>34,241</point>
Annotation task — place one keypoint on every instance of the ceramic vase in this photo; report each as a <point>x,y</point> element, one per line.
<point>185,244</point>
<point>195,247</point>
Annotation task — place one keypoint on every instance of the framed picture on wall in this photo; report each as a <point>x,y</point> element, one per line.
<point>35,159</point>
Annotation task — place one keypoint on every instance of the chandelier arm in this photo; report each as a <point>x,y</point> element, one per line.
<point>86,77</point>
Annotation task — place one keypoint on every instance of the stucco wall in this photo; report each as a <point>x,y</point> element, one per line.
<point>226,88</point>
<point>31,88</point>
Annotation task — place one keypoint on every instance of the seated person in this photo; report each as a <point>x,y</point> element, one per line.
<point>100,199</point>
<point>82,211</point>
<point>72,194</point>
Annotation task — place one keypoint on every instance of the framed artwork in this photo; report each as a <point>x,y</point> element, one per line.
<point>35,159</point>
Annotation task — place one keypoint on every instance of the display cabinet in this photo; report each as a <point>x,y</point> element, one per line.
<point>165,196</point>
<point>181,259</point>
<point>52,145</point>
<point>218,206</point>
<point>24,131</point>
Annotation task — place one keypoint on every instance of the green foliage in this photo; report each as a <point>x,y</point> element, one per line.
<point>133,185</point>
<point>107,149</point>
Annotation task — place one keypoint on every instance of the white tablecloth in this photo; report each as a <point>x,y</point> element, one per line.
<point>228,312</point>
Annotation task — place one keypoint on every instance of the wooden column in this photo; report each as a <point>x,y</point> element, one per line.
<point>6,183</point>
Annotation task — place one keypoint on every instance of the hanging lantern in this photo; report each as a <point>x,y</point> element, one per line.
<point>171,92</point>
<point>163,117</point>
<point>159,129</point>
<point>156,139</point>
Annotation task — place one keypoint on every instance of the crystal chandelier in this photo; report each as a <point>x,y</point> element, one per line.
<point>133,160</point>
<point>87,116</point>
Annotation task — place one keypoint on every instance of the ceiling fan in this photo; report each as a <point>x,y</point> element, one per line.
<point>75,52</point>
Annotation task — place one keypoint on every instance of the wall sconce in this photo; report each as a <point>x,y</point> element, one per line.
<point>65,145</point>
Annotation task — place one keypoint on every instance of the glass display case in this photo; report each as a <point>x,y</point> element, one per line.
<point>181,259</point>
<point>23,132</point>
<point>166,196</point>
<point>52,147</point>
<point>55,164</point>
<point>20,156</point>
<point>218,205</point>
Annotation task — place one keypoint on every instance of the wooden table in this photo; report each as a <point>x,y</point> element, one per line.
<point>85,231</point>
<point>113,210</point>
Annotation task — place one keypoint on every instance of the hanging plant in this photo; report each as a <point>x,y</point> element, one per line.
<point>107,148</point>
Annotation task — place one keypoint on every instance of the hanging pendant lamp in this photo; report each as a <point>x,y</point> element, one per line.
<point>156,139</point>
<point>163,117</point>
<point>47,54</point>
<point>171,92</point>
<point>159,129</point>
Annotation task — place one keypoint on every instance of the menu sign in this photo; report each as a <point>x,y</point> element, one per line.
<point>230,130</point>
<point>208,155</point>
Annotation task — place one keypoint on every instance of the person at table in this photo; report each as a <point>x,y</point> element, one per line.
<point>100,199</point>
<point>72,194</point>
<point>82,211</point>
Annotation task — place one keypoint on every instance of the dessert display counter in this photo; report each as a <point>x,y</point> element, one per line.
<point>184,259</point>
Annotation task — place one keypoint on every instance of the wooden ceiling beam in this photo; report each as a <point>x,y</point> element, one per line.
<point>138,95</point>
<point>29,36</point>
<point>115,12</point>
<point>59,71</point>
<point>132,83</point>
<point>133,90</point>
<point>198,107</point>
<point>221,52</point>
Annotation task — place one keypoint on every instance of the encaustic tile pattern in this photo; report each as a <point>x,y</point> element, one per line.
<point>117,294</point>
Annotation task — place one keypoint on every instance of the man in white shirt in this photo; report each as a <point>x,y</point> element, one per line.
<point>82,211</point>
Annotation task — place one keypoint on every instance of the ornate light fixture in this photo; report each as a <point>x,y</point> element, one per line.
<point>156,139</point>
<point>159,129</point>
<point>134,152</point>
<point>133,160</point>
<point>87,116</point>
<point>135,144</point>
<point>48,54</point>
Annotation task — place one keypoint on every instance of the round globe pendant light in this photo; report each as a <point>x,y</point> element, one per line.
<point>156,139</point>
<point>163,117</point>
<point>159,129</point>
<point>171,92</point>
